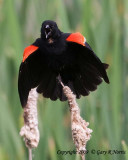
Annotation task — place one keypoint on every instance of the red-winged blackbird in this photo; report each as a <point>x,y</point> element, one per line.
<point>54,54</point>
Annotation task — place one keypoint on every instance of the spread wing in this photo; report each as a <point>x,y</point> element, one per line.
<point>29,72</point>
<point>86,70</point>
<point>34,72</point>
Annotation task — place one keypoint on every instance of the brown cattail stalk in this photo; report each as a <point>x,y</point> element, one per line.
<point>30,130</point>
<point>80,131</point>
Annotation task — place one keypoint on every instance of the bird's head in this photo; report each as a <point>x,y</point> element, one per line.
<point>49,30</point>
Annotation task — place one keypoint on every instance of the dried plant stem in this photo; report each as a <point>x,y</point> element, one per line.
<point>80,131</point>
<point>30,153</point>
<point>30,130</point>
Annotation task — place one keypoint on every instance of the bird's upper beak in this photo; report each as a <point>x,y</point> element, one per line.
<point>47,31</point>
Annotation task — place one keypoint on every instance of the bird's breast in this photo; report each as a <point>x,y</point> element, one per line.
<point>55,62</point>
<point>55,55</point>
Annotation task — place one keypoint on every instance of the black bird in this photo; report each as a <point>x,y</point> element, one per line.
<point>54,54</point>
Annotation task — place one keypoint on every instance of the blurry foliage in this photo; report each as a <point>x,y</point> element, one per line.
<point>105,26</point>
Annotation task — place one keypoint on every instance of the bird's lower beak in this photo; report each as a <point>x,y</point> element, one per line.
<point>47,35</point>
<point>47,31</point>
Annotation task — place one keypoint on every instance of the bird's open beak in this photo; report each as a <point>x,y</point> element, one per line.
<point>47,31</point>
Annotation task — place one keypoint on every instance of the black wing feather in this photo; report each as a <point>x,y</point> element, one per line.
<point>86,70</point>
<point>29,75</point>
<point>34,72</point>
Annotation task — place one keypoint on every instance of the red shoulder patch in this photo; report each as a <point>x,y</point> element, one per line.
<point>77,38</point>
<point>29,50</point>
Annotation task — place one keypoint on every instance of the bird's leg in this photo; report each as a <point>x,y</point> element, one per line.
<point>60,80</point>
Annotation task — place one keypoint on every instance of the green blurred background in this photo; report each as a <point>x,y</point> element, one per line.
<point>104,23</point>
